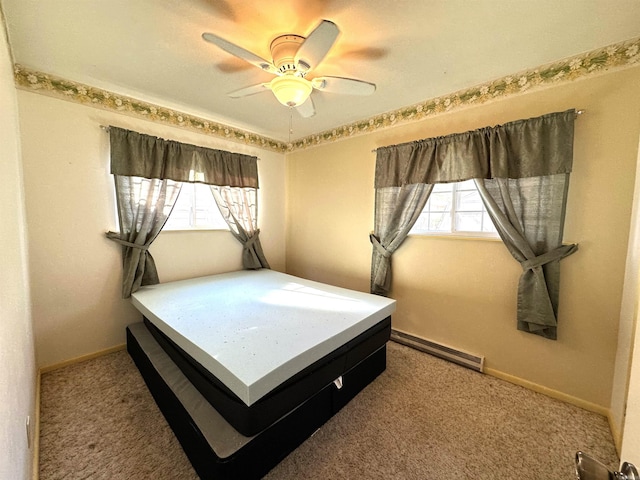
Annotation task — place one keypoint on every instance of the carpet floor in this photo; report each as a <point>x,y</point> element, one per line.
<point>423,418</point>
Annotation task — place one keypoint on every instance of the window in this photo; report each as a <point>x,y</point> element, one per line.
<point>455,209</point>
<point>195,209</point>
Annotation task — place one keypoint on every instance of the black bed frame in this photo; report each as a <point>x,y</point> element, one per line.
<point>268,447</point>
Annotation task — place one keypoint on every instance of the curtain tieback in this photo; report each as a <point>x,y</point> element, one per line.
<point>252,239</point>
<point>553,255</point>
<point>378,246</point>
<point>116,238</point>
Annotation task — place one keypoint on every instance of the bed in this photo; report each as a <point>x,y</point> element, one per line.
<point>272,356</point>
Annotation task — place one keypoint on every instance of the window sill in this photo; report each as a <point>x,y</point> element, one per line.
<point>178,230</point>
<point>445,236</point>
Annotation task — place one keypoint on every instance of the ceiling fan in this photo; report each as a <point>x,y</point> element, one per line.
<point>294,57</point>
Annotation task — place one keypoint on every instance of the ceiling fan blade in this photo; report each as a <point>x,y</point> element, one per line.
<point>307,109</point>
<point>251,90</point>
<point>346,86</point>
<point>240,52</point>
<point>316,45</point>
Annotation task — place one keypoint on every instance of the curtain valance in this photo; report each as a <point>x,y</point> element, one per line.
<point>521,149</point>
<point>138,155</point>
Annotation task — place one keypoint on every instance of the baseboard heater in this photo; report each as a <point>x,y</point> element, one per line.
<point>474,362</point>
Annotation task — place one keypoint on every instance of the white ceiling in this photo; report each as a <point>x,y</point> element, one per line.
<point>413,50</point>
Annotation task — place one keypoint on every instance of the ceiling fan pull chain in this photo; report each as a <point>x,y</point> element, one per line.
<point>290,122</point>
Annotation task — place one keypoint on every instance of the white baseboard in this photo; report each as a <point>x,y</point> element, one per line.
<point>83,358</point>
<point>578,402</point>
<point>35,453</point>
<point>616,433</point>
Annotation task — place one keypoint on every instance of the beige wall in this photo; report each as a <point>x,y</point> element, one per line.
<point>18,373</point>
<point>462,293</point>
<point>75,270</point>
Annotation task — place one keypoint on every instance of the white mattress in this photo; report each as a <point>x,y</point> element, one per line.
<point>254,329</point>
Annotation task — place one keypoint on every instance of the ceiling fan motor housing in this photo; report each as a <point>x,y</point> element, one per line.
<point>283,51</point>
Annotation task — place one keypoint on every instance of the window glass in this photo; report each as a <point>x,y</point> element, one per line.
<point>455,209</point>
<point>195,209</point>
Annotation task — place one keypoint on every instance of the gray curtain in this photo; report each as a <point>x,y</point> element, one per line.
<point>239,208</point>
<point>397,210</point>
<point>143,208</point>
<point>540,149</point>
<point>148,173</point>
<point>139,155</point>
<point>529,216</point>
<point>525,148</point>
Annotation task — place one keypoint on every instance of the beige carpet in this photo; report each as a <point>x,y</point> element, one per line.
<point>423,418</point>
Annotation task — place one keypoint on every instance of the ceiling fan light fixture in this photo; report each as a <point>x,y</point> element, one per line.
<point>290,90</point>
<point>293,57</point>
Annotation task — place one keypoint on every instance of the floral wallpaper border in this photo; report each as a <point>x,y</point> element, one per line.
<point>616,56</point>
<point>621,55</point>
<point>80,93</point>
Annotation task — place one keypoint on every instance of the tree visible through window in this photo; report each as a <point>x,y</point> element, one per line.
<point>454,209</point>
